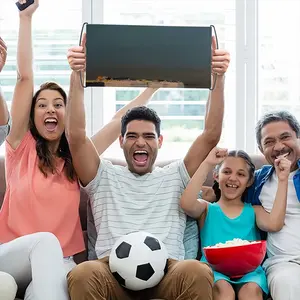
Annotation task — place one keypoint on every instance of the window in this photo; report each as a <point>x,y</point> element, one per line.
<point>56,27</point>
<point>182,110</point>
<point>264,73</point>
<point>278,67</point>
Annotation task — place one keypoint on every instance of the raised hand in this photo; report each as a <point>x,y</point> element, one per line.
<point>76,56</point>
<point>220,59</point>
<point>216,156</point>
<point>282,167</point>
<point>28,12</point>
<point>3,54</point>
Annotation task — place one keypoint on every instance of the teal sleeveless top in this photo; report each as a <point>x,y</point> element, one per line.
<point>218,228</point>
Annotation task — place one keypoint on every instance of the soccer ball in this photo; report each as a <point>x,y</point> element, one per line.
<point>138,260</point>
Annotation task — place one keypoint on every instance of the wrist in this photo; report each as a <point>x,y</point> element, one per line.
<point>220,78</point>
<point>283,180</point>
<point>151,90</point>
<point>208,166</point>
<point>25,17</point>
<point>75,76</point>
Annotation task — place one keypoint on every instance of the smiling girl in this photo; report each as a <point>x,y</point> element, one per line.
<point>231,218</point>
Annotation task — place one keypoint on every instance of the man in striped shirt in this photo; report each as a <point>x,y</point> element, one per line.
<point>139,196</point>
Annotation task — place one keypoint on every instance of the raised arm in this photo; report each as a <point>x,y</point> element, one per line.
<point>3,107</point>
<point>110,132</point>
<point>274,221</point>
<point>214,113</point>
<point>84,154</point>
<point>22,99</point>
<point>189,201</point>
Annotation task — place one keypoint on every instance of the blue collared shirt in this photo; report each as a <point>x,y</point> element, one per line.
<point>261,176</point>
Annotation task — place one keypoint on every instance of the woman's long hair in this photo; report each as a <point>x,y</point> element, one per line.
<point>46,158</point>
<point>251,168</point>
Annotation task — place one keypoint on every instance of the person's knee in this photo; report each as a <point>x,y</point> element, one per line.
<point>8,287</point>
<point>250,290</point>
<point>190,279</point>
<point>224,288</point>
<point>194,270</point>
<point>46,239</point>
<point>284,281</point>
<point>84,274</point>
<point>80,273</point>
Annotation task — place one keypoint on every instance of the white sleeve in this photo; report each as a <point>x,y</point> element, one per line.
<point>92,186</point>
<point>183,173</point>
<point>179,166</point>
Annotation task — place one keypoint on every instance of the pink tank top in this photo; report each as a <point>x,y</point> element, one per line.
<point>34,203</point>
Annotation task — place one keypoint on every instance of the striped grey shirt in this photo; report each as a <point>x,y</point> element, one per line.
<point>4,130</point>
<point>123,202</point>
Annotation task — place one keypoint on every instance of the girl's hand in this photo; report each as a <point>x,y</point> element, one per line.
<point>216,156</point>
<point>282,167</point>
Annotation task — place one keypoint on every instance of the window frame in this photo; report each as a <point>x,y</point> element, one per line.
<point>243,112</point>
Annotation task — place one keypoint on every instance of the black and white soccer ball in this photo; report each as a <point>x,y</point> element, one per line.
<point>138,260</point>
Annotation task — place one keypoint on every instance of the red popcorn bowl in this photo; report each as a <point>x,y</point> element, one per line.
<point>237,260</point>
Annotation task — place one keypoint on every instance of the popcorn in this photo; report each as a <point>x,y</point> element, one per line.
<point>234,242</point>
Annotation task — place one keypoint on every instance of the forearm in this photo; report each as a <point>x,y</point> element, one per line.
<point>215,110</point>
<point>140,100</point>
<point>4,115</point>
<point>277,214</point>
<point>75,113</point>
<point>24,52</point>
<point>189,200</point>
<point>110,132</point>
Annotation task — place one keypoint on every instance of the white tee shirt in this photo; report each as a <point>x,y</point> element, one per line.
<point>285,244</point>
<point>123,202</point>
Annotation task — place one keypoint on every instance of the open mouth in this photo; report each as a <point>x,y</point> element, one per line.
<point>283,155</point>
<point>140,157</point>
<point>232,186</point>
<point>51,124</point>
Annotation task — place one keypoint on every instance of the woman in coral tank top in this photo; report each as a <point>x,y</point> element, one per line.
<point>39,219</point>
<point>40,228</point>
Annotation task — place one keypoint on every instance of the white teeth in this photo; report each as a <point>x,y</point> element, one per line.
<point>283,155</point>
<point>50,120</point>
<point>232,185</point>
<point>140,152</point>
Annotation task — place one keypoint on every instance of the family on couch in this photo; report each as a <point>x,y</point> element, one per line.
<point>49,159</point>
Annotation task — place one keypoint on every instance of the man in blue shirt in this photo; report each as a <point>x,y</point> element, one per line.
<point>278,134</point>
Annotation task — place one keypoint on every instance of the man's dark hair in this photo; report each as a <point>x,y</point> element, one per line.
<point>140,113</point>
<point>276,116</point>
